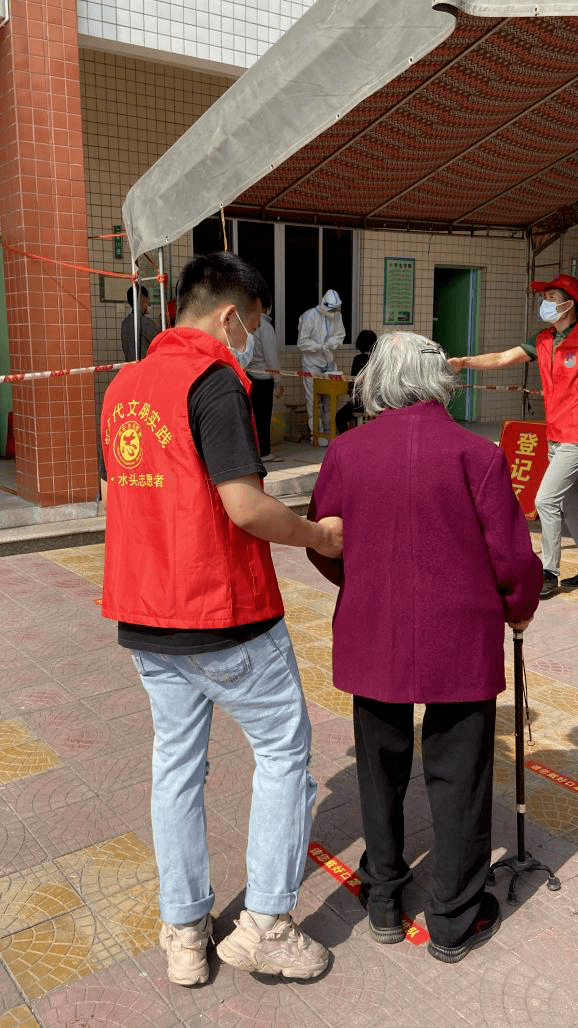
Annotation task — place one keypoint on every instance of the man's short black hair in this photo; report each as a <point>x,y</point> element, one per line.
<point>141,290</point>
<point>207,281</point>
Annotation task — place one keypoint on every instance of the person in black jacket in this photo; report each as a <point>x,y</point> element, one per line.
<point>364,343</point>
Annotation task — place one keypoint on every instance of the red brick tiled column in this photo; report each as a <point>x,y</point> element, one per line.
<point>43,211</point>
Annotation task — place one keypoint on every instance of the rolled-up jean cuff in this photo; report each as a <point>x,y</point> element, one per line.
<point>266,903</point>
<point>177,914</point>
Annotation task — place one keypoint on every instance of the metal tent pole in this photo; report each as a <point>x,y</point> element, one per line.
<point>136,311</point>
<point>523,862</point>
<point>162,289</point>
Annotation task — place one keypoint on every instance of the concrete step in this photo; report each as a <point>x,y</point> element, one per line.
<point>52,535</point>
<point>298,504</point>
<point>28,528</point>
<point>297,481</point>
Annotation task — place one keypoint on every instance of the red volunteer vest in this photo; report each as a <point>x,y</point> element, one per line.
<point>560,382</point>
<point>173,557</point>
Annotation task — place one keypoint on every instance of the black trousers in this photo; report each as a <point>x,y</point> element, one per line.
<point>262,401</point>
<point>458,750</point>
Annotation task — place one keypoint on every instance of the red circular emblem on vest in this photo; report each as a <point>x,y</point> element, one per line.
<point>127,446</point>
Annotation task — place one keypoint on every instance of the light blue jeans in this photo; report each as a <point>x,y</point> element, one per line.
<point>258,684</point>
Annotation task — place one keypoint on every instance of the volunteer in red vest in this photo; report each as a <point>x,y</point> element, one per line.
<point>556,350</point>
<point>190,580</point>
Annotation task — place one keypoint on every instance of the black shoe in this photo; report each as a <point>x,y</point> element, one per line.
<point>549,586</point>
<point>570,583</point>
<point>385,924</point>
<point>486,924</point>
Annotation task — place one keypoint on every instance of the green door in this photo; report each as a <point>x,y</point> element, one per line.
<point>5,388</point>
<point>455,326</point>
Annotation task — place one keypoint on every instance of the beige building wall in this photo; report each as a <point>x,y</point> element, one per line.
<point>133,110</point>
<point>503,296</point>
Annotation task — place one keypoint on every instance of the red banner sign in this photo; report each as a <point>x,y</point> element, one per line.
<point>552,776</point>
<point>526,447</point>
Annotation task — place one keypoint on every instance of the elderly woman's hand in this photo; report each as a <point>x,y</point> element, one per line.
<point>520,626</point>
<point>330,537</point>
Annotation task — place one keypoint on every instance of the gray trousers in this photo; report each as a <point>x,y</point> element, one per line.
<point>557,499</point>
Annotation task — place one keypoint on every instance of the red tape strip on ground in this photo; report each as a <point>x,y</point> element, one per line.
<point>343,874</point>
<point>552,776</point>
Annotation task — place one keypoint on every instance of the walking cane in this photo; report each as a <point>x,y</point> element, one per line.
<point>523,862</point>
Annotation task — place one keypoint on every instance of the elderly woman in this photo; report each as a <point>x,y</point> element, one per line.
<point>437,558</point>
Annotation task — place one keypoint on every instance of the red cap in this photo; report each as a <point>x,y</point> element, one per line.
<point>566,282</point>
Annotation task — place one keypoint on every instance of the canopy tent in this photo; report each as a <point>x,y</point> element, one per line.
<point>380,114</point>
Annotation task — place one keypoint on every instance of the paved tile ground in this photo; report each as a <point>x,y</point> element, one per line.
<point>78,895</point>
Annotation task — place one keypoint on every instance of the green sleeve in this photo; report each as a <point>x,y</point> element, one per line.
<point>529,346</point>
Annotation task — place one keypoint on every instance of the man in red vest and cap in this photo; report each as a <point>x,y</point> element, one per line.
<point>556,350</point>
<point>190,580</point>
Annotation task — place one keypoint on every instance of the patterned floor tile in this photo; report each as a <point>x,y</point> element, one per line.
<point>89,673</point>
<point>9,995</point>
<point>86,561</point>
<point>316,653</point>
<point>127,699</point>
<point>57,952</point>
<point>74,731</point>
<point>132,803</point>
<point>335,739</point>
<point>552,807</point>
<point>24,756</point>
<point>19,1017</point>
<point>38,894</point>
<point>133,729</point>
<point>322,630</point>
<point>42,794</point>
<point>494,988</point>
<point>229,774</point>
<point>232,998</point>
<point>18,847</point>
<point>299,616</point>
<point>318,687</point>
<point>132,916</point>
<point>109,770</point>
<point>27,689</point>
<point>114,866</point>
<point>11,657</point>
<point>77,825</point>
<point>117,997</point>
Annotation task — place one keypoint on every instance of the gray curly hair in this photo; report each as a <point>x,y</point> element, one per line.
<point>404,368</point>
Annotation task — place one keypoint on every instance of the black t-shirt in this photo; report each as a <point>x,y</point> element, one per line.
<point>220,421</point>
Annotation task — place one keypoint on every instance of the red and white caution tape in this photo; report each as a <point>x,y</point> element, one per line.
<point>28,376</point>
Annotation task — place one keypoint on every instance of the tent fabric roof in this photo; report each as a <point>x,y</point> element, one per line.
<point>380,115</point>
<point>483,131</point>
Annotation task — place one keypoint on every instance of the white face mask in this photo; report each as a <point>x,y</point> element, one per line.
<point>243,356</point>
<point>549,310</point>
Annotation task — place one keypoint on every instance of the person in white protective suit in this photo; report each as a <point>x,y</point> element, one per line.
<point>321,331</point>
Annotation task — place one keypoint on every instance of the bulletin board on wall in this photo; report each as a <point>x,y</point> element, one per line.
<point>398,290</point>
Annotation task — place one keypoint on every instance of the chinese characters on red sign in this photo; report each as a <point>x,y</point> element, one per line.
<point>526,447</point>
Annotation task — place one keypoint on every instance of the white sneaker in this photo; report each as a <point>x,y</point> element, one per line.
<point>283,949</point>
<point>186,950</point>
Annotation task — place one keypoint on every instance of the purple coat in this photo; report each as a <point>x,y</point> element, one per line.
<point>437,557</point>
